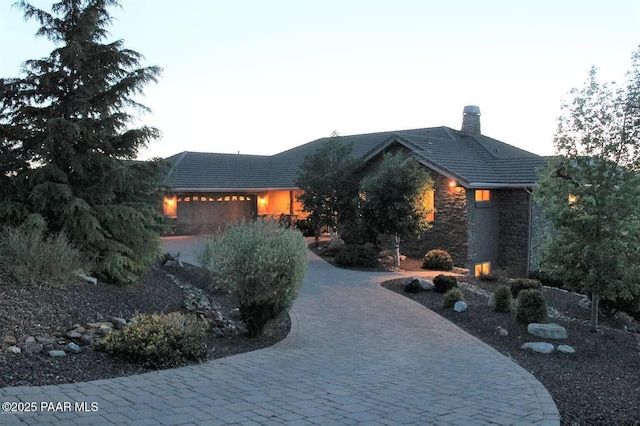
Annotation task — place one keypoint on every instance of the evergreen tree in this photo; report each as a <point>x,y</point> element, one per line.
<point>394,199</point>
<point>67,146</point>
<point>591,193</point>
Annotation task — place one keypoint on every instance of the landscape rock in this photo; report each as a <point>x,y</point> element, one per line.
<point>104,330</point>
<point>540,347</point>
<point>31,346</point>
<point>566,349</point>
<point>57,353</point>
<point>547,331</point>
<point>88,339</point>
<point>74,334</point>
<point>14,350</point>
<point>45,340</point>
<point>585,303</point>
<point>626,321</point>
<point>85,277</point>
<point>235,313</point>
<point>73,348</point>
<point>97,325</point>
<point>9,340</point>
<point>501,332</point>
<point>417,284</point>
<point>119,323</point>
<point>492,301</point>
<point>460,306</point>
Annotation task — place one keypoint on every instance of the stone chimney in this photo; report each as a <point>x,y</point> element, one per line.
<point>471,120</point>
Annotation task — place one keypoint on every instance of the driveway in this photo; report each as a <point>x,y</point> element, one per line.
<point>356,354</point>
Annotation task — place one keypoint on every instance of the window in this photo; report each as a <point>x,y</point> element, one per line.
<point>429,203</point>
<point>483,195</point>
<point>483,268</point>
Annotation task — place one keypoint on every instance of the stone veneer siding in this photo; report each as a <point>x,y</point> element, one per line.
<point>449,230</point>
<point>514,230</point>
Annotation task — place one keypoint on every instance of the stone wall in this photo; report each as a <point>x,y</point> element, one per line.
<point>449,231</point>
<point>514,230</point>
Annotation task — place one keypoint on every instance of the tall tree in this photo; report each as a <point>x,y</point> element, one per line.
<point>591,192</point>
<point>394,199</point>
<point>67,145</point>
<point>329,180</point>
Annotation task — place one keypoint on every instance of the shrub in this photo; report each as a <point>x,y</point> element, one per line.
<point>443,283</point>
<point>531,307</point>
<point>451,297</point>
<point>503,299</point>
<point>31,257</point>
<point>439,260</point>
<point>262,264</point>
<point>356,257</point>
<point>520,284</point>
<point>160,341</point>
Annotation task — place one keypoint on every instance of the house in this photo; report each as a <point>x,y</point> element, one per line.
<point>482,197</point>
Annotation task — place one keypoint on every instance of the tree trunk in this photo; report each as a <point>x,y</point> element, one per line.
<point>396,249</point>
<point>595,301</point>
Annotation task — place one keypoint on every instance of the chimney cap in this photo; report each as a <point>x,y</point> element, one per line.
<point>471,109</point>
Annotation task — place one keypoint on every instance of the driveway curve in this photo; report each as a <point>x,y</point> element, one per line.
<point>356,354</point>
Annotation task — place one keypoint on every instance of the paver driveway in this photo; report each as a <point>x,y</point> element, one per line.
<point>356,354</point>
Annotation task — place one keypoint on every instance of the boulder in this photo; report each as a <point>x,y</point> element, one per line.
<point>10,340</point>
<point>104,330</point>
<point>14,350</point>
<point>501,332</point>
<point>626,321</point>
<point>45,340</point>
<point>57,353</point>
<point>119,323</point>
<point>547,331</point>
<point>585,303</point>
<point>31,346</point>
<point>540,347</point>
<point>566,349</point>
<point>73,348</point>
<point>416,285</point>
<point>460,306</point>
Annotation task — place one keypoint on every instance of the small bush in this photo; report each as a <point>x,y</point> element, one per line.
<point>356,257</point>
<point>531,307</point>
<point>503,299</point>
<point>438,260</point>
<point>451,297</point>
<point>520,284</point>
<point>160,341</point>
<point>262,264</point>
<point>31,257</point>
<point>443,283</point>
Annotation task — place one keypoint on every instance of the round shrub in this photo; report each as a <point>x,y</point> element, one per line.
<point>531,307</point>
<point>519,284</point>
<point>451,297</point>
<point>160,341</point>
<point>443,283</point>
<point>502,298</point>
<point>353,256</point>
<point>438,260</point>
<point>263,264</point>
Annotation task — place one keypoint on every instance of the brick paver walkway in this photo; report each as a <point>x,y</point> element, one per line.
<point>356,354</point>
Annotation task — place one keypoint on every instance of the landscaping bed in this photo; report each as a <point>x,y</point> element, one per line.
<point>42,310</point>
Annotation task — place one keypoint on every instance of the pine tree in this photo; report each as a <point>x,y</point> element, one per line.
<point>67,145</point>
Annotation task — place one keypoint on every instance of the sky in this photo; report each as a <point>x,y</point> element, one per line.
<point>260,77</point>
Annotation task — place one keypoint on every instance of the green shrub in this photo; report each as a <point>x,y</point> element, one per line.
<point>503,299</point>
<point>531,307</point>
<point>31,257</point>
<point>262,264</point>
<point>439,260</point>
<point>354,256</point>
<point>443,283</point>
<point>520,284</point>
<point>451,297</point>
<point>160,341</point>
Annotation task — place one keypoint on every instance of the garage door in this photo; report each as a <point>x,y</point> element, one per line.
<point>208,213</point>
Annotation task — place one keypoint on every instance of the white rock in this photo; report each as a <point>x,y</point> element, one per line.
<point>547,331</point>
<point>585,303</point>
<point>460,306</point>
<point>566,349</point>
<point>540,347</point>
<point>14,350</point>
<point>87,278</point>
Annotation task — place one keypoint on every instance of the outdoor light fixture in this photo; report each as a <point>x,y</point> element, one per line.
<point>452,183</point>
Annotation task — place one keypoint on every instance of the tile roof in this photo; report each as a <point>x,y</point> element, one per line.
<point>473,160</point>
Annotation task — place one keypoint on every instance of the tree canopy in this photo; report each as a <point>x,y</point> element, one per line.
<point>591,192</point>
<point>68,144</point>
<point>394,198</point>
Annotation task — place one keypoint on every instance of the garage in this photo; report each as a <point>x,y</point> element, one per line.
<point>208,213</point>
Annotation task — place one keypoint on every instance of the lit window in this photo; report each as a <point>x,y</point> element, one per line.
<point>483,195</point>
<point>483,268</point>
<point>572,199</point>
<point>429,204</point>
<point>187,199</point>
<point>234,198</point>
<point>170,206</point>
<point>227,198</point>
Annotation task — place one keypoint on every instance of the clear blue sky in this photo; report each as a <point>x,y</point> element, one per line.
<point>260,77</point>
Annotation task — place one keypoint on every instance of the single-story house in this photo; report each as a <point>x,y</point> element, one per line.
<point>483,203</point>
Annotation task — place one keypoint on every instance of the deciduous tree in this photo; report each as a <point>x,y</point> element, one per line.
<point>67,141</point>
<point>591,192</point>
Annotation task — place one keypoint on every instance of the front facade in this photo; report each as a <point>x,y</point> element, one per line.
<point>482,197</point>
